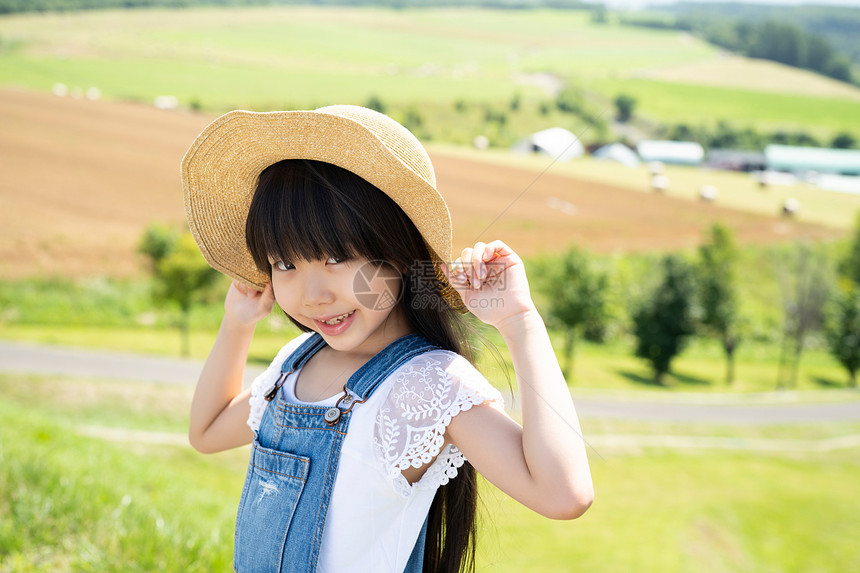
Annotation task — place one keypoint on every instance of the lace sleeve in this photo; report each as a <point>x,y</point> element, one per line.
<point>264,381</point>
<point>428,391</point>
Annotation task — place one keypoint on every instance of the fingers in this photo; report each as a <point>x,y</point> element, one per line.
<point>497,249</point>
<point>476,265</point>
<point>268,291</point>
<point>455,274</point>
<point>248,292</point>
<point>472,268</point>
<point>243,290</point>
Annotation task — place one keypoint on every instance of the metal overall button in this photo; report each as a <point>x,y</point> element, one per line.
<point>332,415</point>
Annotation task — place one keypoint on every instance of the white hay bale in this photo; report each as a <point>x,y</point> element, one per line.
<point>659,183</point>
<point>481,142</point>
<point>61,90</point>
<point>790,206</point>
<point>165,102</point>
<point>708,193</point>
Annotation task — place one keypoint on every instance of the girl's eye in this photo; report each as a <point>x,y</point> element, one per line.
<point>282,266</point>
<point>335,260</point>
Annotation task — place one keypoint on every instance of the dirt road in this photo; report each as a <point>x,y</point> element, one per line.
<point>19,357</point>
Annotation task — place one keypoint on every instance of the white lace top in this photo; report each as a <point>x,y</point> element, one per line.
<point>375,514</point>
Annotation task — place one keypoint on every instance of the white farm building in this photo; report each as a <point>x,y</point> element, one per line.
<point>556,142</point>
<point>802,160</point>
<point>671,152</point>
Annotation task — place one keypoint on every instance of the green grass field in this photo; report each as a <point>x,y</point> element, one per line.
<point>268,57</point>
<point>72,502</point>
<point>78,492</point>
<point>673,103</point>
<point>117,314</point>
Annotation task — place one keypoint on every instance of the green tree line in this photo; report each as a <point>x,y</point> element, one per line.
<point>701,296</point>
<point>840,25</point>
<point>773,39</point>
<point>12,6</point>
<point>724,135</point>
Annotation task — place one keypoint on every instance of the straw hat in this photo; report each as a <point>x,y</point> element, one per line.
<point>221,169</point>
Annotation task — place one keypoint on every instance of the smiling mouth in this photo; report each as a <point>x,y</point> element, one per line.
<point>337,319</point>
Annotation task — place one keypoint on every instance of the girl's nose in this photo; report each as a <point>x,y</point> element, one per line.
<point>316,289</point>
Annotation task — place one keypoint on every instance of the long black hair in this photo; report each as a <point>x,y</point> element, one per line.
<point>311,210</point>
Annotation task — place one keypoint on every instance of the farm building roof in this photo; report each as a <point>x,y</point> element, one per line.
<point>617,152</point>
<point>803,159</point>
<point>677,152</point>
<point>557,142</point>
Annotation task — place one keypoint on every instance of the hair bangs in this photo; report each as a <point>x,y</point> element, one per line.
<point>309,210</point>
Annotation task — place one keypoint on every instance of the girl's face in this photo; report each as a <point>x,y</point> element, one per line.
<point>353,303</point>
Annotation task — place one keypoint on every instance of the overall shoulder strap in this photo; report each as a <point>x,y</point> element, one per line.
<point>366,379</point>
<point>296,359</point>
<point>303,353</point>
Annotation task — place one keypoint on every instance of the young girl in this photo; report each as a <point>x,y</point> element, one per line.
<point>362,426</point>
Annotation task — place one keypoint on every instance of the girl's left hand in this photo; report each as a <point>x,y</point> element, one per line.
<point>491,280</point>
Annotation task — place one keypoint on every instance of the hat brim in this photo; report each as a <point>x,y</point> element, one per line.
<point>221,169</point>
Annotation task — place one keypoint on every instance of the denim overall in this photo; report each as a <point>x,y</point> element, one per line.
<point>294,464</point>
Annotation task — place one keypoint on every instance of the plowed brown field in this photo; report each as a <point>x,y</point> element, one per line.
<point>80,180</point>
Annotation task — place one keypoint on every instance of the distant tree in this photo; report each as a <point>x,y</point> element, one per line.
<point>843,140</point>
<point>849,266</point>
<point>724,136</point>
<point>839,67</point>
<point>413,120</point>
<point>805,291</point>
<point>799,137</point>
<point>624,106</point>
<point>681,132</point>
<point>803,138</point>
<point>744,32</point>
<point>599,14</point>
<point>570,100</point>
<point>718,291</point>
<point>515,102</point>
<point>817,53</point>
<point>843,321</point>
<point>181,274</point>
<point>664,323</point>
<point>375,103</point>
<point>779,42</point>
<point>843,329</point>
<point>493,116</point>
<point>157,241</point>
<point>576,295</point>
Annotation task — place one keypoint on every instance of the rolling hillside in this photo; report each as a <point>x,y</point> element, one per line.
<point>82,179</point>
<point>278,57</point>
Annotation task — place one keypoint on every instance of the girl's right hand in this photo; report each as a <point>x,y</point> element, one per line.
<point>247,305</point>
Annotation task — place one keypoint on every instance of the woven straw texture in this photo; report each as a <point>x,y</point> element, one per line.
<point>221,168</point>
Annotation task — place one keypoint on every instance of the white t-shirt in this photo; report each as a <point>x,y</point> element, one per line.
<point>375,515</point>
